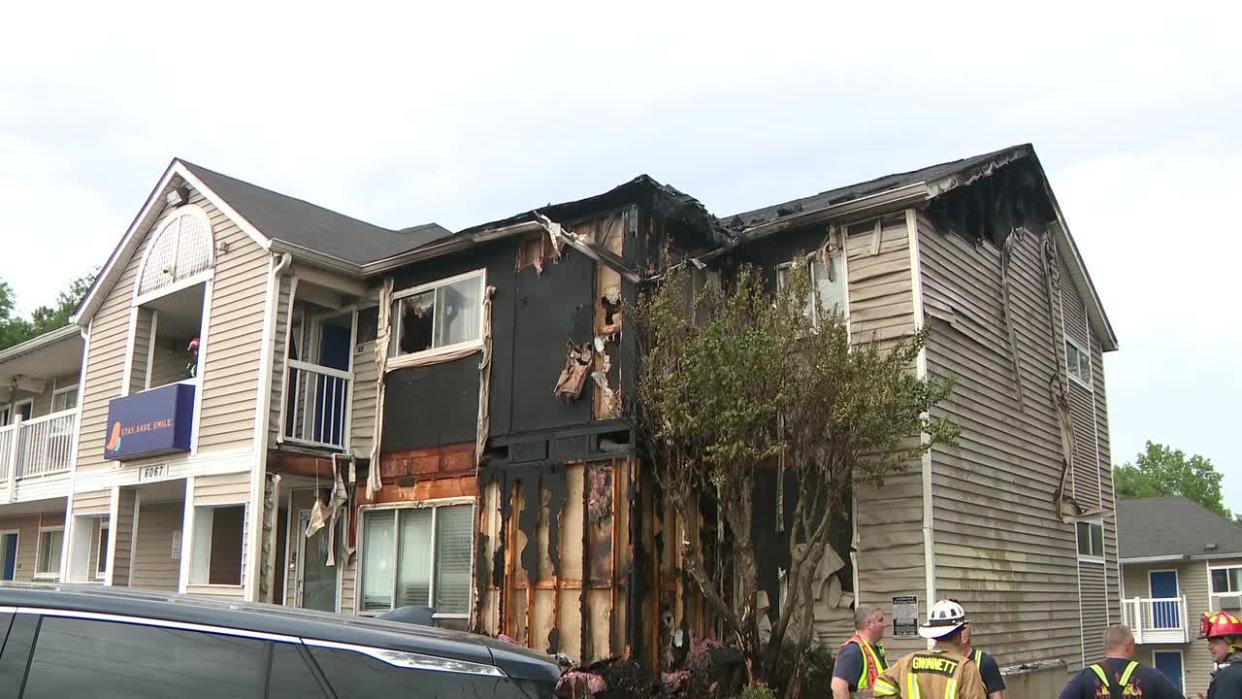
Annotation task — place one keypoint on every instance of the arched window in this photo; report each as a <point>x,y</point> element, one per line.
<point>180,249</point>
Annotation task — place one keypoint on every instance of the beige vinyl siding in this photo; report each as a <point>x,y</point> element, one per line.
<point>1094,610</point>
<point>890,558</point>
<point>234,336</point>
<point>105,360</point>
<point>280,352</point>
<point>168,363</point>
<point>141,363</point>
<point>227,489</point>
<point>43,400</point>
<point>123,534</point>
<point>349,583</point>
<point>1108,500</point>
<point>1000,547</point>
<point>154,568</point>
<point>362,419</point>
<point>27,528</point>
<point>233,591</point>
<point>98,502</point>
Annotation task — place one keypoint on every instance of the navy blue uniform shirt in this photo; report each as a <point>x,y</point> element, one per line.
<point>1146,682</point>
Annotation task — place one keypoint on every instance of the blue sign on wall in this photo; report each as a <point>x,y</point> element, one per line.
<point>158,421</point>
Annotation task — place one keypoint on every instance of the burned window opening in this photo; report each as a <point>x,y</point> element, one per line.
<point>417,321</point>
<point>573,377</point>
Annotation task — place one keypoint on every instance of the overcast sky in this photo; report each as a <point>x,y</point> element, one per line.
<point>399,116</point>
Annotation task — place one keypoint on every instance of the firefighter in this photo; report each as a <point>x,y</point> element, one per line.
<point>944,672</point>
<point>1119,675</point>
<point>1223,631</point>
<point>861,658</point>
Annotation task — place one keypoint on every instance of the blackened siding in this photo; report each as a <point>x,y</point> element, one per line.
<point>534,315</point>
<point>551,309</point>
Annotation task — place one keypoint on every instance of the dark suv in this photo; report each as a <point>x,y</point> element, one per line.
<point>71,641</point>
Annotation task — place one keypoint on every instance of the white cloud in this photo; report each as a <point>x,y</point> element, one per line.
<point>462,113</point>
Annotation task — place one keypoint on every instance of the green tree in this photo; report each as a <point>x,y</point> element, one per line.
<point>14,329</point>
<point>736,381</point>
<point>1162,470</point>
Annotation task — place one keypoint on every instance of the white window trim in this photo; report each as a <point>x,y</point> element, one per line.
<point>39,549</point>
<point>431,590</point>
<point>153,236</point>
<point>182,285</point>
<point>62,391</point>
<point>1082,351</point>
<point>1213,593</point>
<point>396,361</point>
<point>1091,558</point>
<point>845,283</point>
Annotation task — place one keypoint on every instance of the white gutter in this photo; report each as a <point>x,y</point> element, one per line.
<point>45,340</point>
<point>451,244</point>
<point>1179,557</point>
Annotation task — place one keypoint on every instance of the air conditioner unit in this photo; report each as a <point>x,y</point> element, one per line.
<point>1231,603</point>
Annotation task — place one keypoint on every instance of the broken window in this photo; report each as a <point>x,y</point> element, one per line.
<point>827,280</point>
<point>434,316</point>
<point>218,544</point>
<point>418,557</point>
<point>1078,363</point>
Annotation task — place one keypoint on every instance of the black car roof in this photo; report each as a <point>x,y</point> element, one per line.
<point>273,619</point>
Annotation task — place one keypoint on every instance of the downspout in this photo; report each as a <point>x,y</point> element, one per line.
<point>929,530</point>
<point>258,476</point>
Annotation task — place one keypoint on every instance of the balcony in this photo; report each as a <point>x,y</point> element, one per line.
<point>39,447</point>
<point>317,405</point>
<point>1161,620</point>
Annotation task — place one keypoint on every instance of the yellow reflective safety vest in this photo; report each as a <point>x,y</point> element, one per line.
<point>1123,682</point>
<point>873,662</point>
<point>934,674</point>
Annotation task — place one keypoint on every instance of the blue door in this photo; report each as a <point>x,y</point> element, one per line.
<point>10,557</point>
<point>1165,615</point>
<point>330,391</point>
<point>1170,663</point>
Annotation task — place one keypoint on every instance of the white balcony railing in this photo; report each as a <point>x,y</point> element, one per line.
<point>1159,620</point>
<point>317,405</point>
<point>39,447</point>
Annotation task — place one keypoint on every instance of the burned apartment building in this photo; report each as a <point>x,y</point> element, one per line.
<point>280,403</point>
<point>575,551</point>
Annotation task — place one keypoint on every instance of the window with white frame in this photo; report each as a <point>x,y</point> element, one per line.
<point>1091,540</point>
<point>1078,362</point>
<point>418,556</point>
<point>1227,581</point>
<point>219,545</point>
<point>440,315</point>
<point>179,249</point>
<point>47,556</point>
<point>827,281</point>
<point>65,398</point>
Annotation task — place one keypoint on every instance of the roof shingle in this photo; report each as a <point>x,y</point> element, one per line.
<point>1173,526</point>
